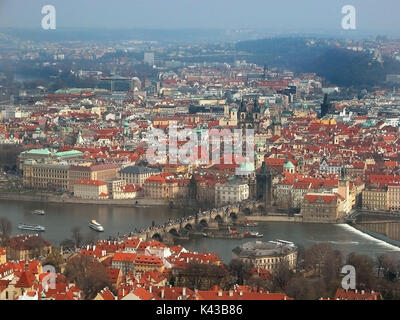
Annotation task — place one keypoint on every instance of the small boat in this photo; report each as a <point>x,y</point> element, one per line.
<point>31,227</point>
<point>256,234</point>
<point>247,223</point>
<point>38,211</point>
<point>252,235</point>
<point>95,225</point>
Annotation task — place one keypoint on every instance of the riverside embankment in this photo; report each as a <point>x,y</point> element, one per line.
<point>139,202</point>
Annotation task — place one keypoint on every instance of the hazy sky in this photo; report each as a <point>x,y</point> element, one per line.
<point>304,15</point>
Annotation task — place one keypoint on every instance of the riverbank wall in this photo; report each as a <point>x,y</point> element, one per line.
<point>139,202</point>
<point>272,218</point>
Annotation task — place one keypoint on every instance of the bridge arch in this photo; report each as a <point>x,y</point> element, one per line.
<point>203,223</point>
<point>157,236</point>
<point>188,226</point>
<point>174,232</point>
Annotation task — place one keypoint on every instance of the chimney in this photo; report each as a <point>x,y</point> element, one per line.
<point>219,293</point>
<point>123,293</point>
<point>240,293</point>
<point>94,248</point>
<point>184,291</point>
<point>231,293</point>
<point>151,289</point>
<point>162,294</point>
<point>362,292</point>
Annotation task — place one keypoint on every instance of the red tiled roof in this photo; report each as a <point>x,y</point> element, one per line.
<point>148,260</point>
<point>143,294</point>
<point>106,294</point>
<point>90,182</point>
<point>25,280</point>
<point>124,257</point>
<point>342,294</point>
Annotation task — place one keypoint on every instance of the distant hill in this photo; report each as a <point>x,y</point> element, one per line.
<point>339,66</point>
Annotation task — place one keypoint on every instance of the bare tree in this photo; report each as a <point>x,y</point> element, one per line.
<point>365,273</point>
<point>281,276</point>
<point>239,271</point>
<point>90,275</point>
<point>77,236</point>
<point>5,230</point>
<point>317,256</point>
<point>388,265</point>
<point>202,276</point>
<point>301,288</point>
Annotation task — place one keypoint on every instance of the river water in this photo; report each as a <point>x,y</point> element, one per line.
<point>61,218</point>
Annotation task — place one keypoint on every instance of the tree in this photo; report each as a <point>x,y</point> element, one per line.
<point>77,236</point>
<point>281,276</point>
<point>300,288</point>
<point>331,271</point>
<point>36,245</point>
<point>259,283</point>
<point>89,275</point>
<point>67,244</point>
<point>201,276</point>
<point>193,188</point>
<point>365,273</point>
<point>388,265</point>
<point>317,256</point>
<point>55,259</point>
<point>5,230</point>
<point>301,251</point>
<point>239,271</point>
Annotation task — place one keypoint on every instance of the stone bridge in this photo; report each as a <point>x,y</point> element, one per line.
<point>206,219</point>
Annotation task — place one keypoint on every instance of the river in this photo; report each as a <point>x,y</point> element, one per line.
<point>61,218</point>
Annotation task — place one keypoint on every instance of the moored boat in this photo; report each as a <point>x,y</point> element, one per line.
<point>38,211</point>
<point>31,227</point>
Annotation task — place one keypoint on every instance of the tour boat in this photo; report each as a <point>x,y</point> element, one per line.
<point>95,225</point>
<point>31,227</point>
<point>39,212</point>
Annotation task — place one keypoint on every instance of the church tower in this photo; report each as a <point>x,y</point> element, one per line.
<point>256,114</point>
<point>264,186</point>
<point>242,113</point>
<point>276,127</point>
<point>344,184</point>
<point>344,190</point>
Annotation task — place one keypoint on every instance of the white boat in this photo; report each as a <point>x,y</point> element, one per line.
<point>39,212</point>
<point>31,227</point>
<point>256,235</point>
<point>95,225</point>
